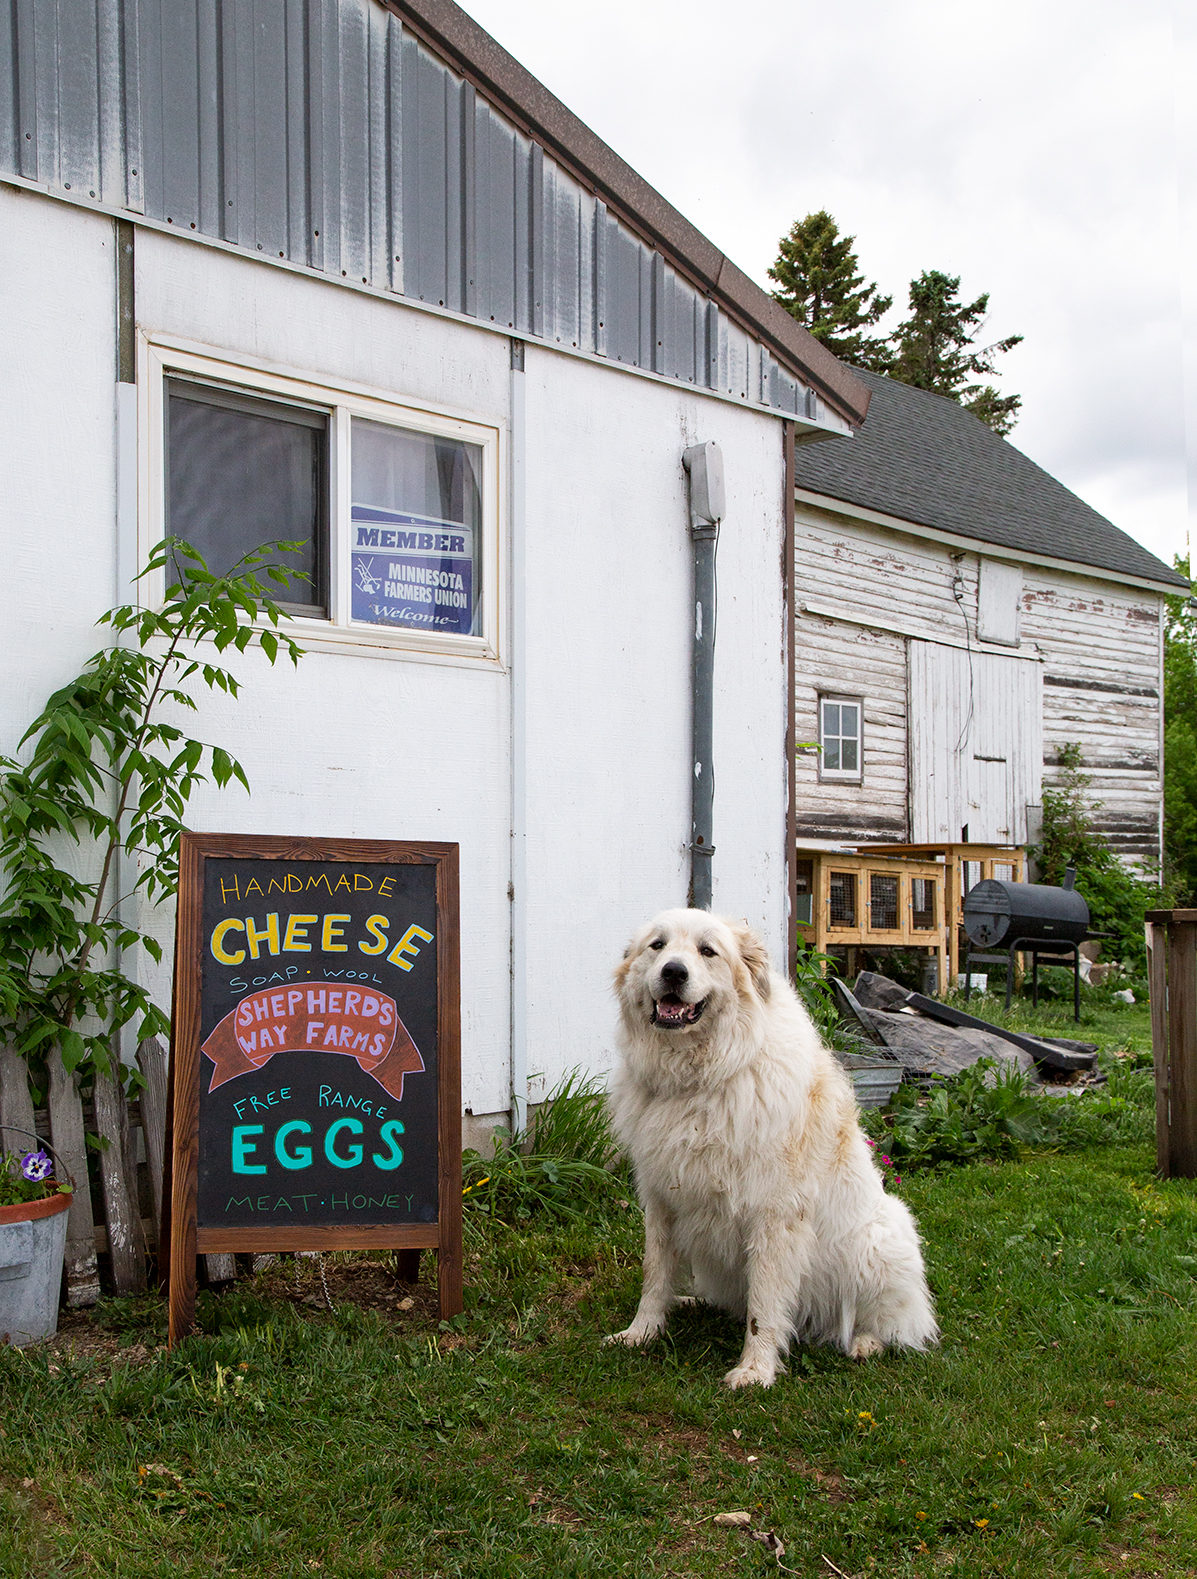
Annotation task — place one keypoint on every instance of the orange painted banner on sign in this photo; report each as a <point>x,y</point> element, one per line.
<point>317,1017</point>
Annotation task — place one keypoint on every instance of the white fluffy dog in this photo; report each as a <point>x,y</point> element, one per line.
<point>749,1161</point>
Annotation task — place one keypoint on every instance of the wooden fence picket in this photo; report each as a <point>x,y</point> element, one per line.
<point>151,1060</point>
<point>16,1103</point>
<point>118,1177</point>
<point>68,1138</point>
<point>1172,955</point>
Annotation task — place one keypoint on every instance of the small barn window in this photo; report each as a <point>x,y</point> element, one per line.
<point>999,594</point>
<point>840,744</point>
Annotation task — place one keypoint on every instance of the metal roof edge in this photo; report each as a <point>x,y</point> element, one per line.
<point>470,49</point>
<point>979,545</point>
<point>806,427</point>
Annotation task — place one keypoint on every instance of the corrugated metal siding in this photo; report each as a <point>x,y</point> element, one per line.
<point>321,132</point>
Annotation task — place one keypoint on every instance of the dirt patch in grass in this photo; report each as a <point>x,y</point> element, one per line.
<point>29,1495</point>
<point>94,1333</point>
<point>542,1506</point>
<point>832,1486</point>
<point>83,1335</point>
<point>665,1432</point>
<point>1149,1558</point>
<point>369,1282</point>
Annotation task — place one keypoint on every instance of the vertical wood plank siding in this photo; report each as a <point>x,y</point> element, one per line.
<point>864,594</point>
<point>323,133</point>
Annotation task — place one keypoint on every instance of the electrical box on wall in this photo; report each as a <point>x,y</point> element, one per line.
<point>704,463</point>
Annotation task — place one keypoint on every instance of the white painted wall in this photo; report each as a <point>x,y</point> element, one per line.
<point>609,626</point>
<point>392,746</point>
<point>57,376</point>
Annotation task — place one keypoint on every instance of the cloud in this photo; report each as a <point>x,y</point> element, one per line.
<point>1032,149</point>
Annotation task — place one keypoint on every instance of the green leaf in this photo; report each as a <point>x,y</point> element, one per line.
<point>73,1050</point>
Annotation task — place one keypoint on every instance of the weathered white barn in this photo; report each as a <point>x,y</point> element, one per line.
<point>960,616</point>
<point>340,270</point>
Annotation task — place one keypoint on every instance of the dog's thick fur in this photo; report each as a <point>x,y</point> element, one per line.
<point>749,1160</point>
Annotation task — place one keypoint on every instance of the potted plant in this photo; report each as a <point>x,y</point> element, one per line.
<point>33,1220</point>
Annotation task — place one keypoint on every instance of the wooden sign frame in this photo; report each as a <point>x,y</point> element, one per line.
<point>183,1236</point>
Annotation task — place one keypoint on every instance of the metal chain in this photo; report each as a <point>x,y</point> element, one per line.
<point>317,1256</point>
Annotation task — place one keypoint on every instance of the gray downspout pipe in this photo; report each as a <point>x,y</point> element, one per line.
<point>704,467</point>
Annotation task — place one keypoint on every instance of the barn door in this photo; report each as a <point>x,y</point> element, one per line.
<point>976,744</point>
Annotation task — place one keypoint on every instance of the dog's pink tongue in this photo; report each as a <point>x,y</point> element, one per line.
<point>671,1012</point>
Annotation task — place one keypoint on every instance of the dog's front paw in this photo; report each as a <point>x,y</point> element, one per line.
<point>638,1334</point>
<point>864,1346</point>
<point>752,1373</point>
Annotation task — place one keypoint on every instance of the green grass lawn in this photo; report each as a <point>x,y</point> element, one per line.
<point>1054,1431</point>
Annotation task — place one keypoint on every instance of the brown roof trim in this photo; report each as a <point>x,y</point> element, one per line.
<point>447,29</point>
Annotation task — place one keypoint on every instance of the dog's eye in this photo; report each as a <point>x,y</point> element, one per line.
<point>657,943</point>
<point>707,950</point>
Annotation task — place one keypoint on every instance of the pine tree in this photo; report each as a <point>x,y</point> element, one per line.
<point>935,348</point>
<point>822,287</point>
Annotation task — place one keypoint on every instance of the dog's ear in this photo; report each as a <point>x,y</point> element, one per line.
<point>755,956</point>
<point>625,964</point>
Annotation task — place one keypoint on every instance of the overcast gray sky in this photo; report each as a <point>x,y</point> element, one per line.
<point>1034,148</point>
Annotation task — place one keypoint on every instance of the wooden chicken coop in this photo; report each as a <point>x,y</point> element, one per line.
<point>896,896</point>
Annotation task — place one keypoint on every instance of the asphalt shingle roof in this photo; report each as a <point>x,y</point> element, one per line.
<point>926,460</point>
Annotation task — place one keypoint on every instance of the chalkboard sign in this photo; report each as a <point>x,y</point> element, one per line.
<point>315,1062</point>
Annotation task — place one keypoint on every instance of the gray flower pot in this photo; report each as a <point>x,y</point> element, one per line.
<point>32,1241</point>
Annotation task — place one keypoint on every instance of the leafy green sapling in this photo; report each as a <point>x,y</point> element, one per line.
<point>110,771</point>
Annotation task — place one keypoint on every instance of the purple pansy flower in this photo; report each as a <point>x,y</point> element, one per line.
<point>36,1166</point>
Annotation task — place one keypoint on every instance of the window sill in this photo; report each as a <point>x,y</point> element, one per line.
<point>467,652</point>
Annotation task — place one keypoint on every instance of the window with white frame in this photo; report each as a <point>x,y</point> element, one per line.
<point>394,509</point>
<point>840,744</point>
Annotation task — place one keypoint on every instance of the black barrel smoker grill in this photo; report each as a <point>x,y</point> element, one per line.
<point>1026,918</point>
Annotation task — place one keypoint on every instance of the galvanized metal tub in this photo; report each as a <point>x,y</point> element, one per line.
<point>874,1080</point>
<point>32,1240</point>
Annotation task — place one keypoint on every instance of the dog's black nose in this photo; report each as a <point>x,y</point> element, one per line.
<point>674,973</point>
